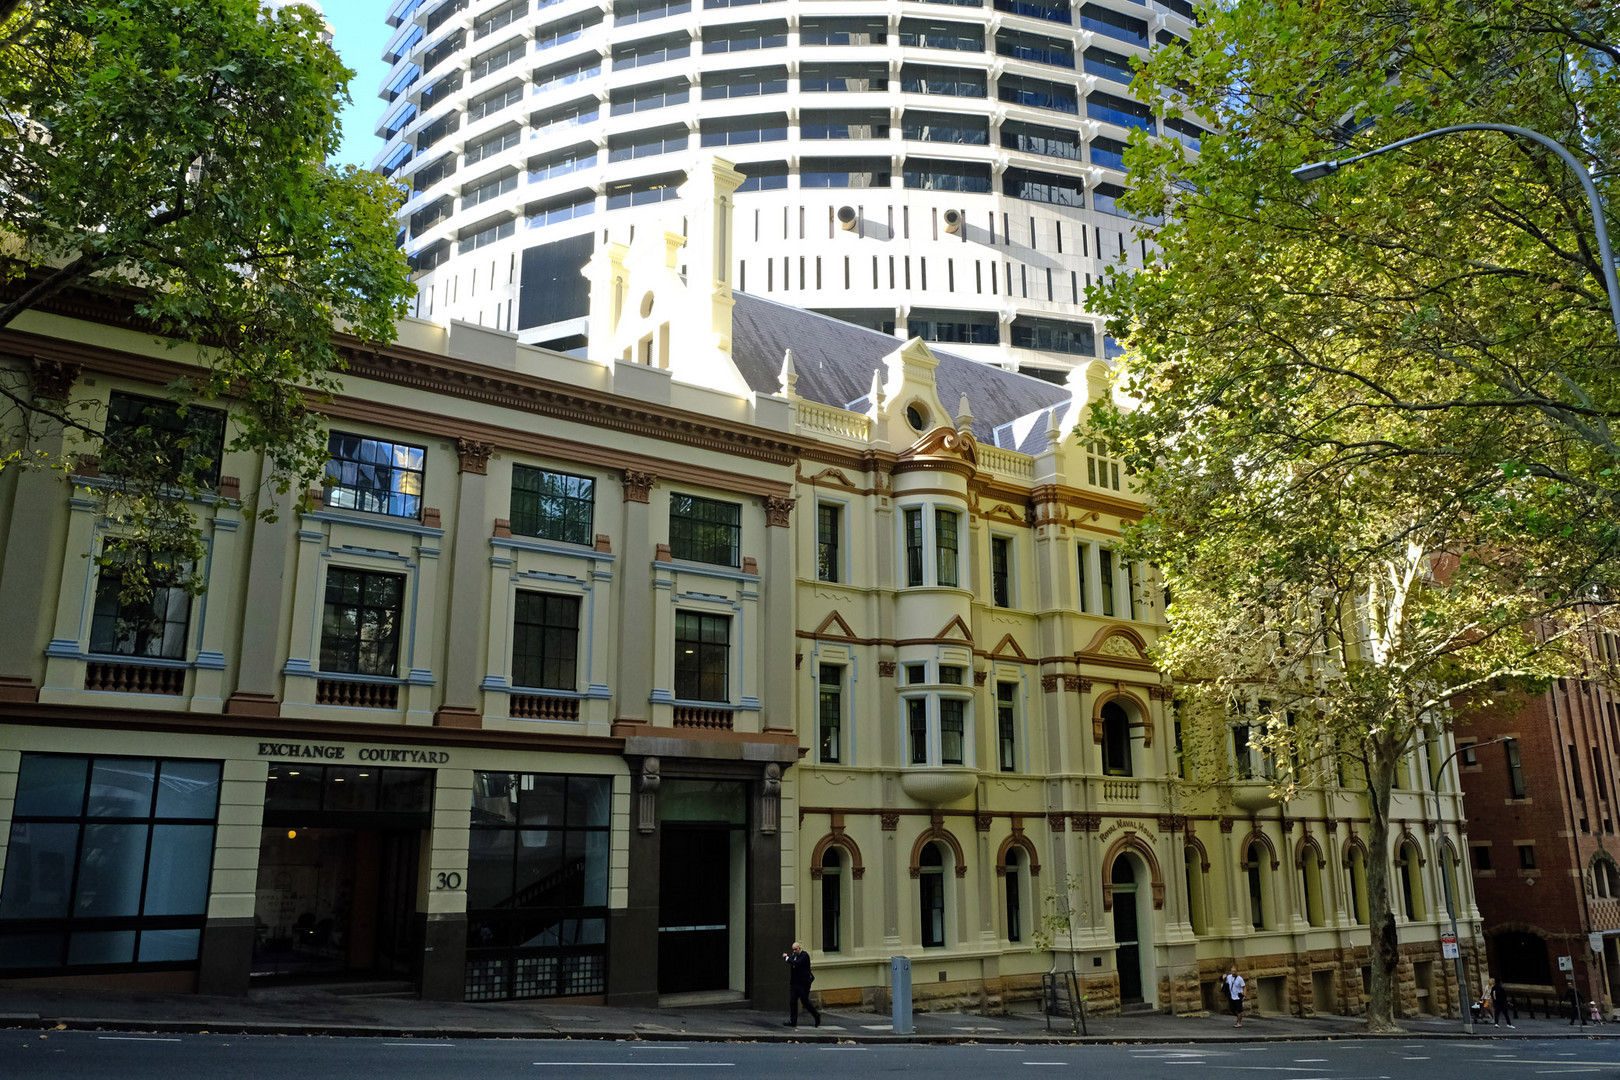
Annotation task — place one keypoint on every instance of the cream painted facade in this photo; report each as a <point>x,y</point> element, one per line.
<point>925,702</point>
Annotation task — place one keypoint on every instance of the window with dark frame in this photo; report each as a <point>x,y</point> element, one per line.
<point>917,725</point>
<point>829,519</point>
<point>931,893</point>
<point>1116,741</point>
<point>952,730</point>
<point>1015,913</point>
<point>374,475</point>
<point>1105,562</point>
<point>1516,787</point>
<point>1527,856</point>
<point>914,547</point>
<point>153,626</point>
<point>830,712</point>
<point>1006,729</point>
<point>545,641</point>
<point>109,863</point>
<point>702,656</point>
<point>705,530</point>
<point>832,901</point>
<point>360,627</point>
<point>180,443</point>
<point>945,540</point>
<point>552,505</point>
<point>1000,565</point>
<point>1482,857</point>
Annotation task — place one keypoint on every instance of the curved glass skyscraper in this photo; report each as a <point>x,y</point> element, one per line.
<point>947,170</point>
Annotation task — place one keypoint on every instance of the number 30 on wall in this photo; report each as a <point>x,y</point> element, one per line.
<point>451,880</point>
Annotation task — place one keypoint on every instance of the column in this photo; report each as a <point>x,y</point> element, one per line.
<point>776,692</point>
<point>635,654</point>
<point>443,889</point>
<point>33,552</point>
<point>465,638</point>
<point>258,665</point>
<point>214,606</point>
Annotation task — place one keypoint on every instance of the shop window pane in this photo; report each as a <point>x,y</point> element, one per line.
<point>588,800</point>
<point>165,946</point>
<point>111,863</point>
<point>31,950</point>
<point>39,871</point>
<point>406,791</point>
<point>544,879</point>
<point>188,789</point>
<point>102,947</point>
<point>293,787</point>
<point>182,856</point>
<point>351,788</point>
<point>588,851</point>
<point>541,800</point>
<point>489,868</point>
<point>50,786</point>
<point>121,787</point>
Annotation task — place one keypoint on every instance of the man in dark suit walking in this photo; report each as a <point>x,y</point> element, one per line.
<point>799,980</point>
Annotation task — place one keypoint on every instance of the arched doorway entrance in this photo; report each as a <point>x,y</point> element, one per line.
<point>1127,932</point>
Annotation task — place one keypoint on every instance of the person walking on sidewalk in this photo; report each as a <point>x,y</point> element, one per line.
<point>1499,1005</point>
<point>799,980</point>
<point>1234,984</point>
<point>1573,1000</point>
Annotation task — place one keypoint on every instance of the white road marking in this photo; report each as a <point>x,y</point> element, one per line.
<point>1045,1063</point>
<point>640,1064</point>
<point>133,1038</point>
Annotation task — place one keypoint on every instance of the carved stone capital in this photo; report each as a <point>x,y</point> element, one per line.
<point>1085,686</point>
<point>778,511</point>
<point>1227,823</point>
<point>638,485</point>
<point>1167,823</point>
<point>1161,693</point>
<point>886,669</point>
<point>1049,683</point>
<point>1057,822</point>
<point>890,820</point>
<point>982,821</point>
<point>1071,683</point>
<point>474,456</point>
<point>980,677</point>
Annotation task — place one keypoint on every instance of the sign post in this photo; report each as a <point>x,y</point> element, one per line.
<point>1448,945</point>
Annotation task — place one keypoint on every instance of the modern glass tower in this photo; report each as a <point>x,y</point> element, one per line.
<point>947,170</point>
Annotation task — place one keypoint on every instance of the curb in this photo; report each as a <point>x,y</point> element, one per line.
<point>374,1031</point>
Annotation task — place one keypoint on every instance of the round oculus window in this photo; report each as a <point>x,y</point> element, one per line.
<point>916,417</point>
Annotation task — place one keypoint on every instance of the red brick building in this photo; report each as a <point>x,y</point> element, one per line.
<point>1542,820</point>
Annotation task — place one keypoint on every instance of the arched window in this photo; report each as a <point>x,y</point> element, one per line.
<point>1116,744</point>
<point>1358,885</point>
<point>931,894</point>
<point>1015,895</point>
<point>1196,912</point>
<point>1310,875</point>
<point>832,901</point>
<point>1410,866</point>
<point>1255,857</point>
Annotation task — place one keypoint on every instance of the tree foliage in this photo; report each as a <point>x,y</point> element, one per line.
<point>1376,420</point>
<point>174,156</point>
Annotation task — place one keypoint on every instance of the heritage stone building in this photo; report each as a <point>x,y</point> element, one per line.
<point>606,678</point>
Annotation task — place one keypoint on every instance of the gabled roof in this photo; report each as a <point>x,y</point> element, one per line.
<point>835,360</point>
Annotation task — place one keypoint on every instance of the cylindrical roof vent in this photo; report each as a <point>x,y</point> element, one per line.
<point>846,217</point>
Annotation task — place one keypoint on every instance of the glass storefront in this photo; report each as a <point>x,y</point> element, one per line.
<point>537,877</point>
<point>108,863</point>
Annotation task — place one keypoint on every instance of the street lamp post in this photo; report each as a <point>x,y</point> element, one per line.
<point>1463,985</point>
<point>1316,170</point>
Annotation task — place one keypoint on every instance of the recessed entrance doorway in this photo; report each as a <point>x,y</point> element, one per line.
<point>702,887</point>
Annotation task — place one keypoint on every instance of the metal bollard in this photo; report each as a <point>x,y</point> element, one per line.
<point>900,993</point>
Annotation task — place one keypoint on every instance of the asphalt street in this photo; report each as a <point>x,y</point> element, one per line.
<point>74,1055</point>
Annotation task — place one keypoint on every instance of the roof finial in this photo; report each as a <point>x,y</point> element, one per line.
<point>876,393</point>
<point>964,415</point>
<point>789,378</point>
<point>1054,433</point>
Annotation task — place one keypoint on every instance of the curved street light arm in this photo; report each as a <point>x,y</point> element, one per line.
<point>1318,169</point>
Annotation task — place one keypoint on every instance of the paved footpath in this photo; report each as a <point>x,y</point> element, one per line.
<point>314,1010</point>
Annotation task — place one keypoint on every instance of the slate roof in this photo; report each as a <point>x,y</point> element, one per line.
<point>835,360</point>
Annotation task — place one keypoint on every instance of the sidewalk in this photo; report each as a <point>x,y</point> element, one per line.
<point>314,1010</point>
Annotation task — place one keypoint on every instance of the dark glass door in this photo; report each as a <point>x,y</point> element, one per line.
<point>1128,957</point>
<point>694,909</point>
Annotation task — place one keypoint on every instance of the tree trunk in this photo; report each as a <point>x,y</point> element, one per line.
<point>1383,946</point>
